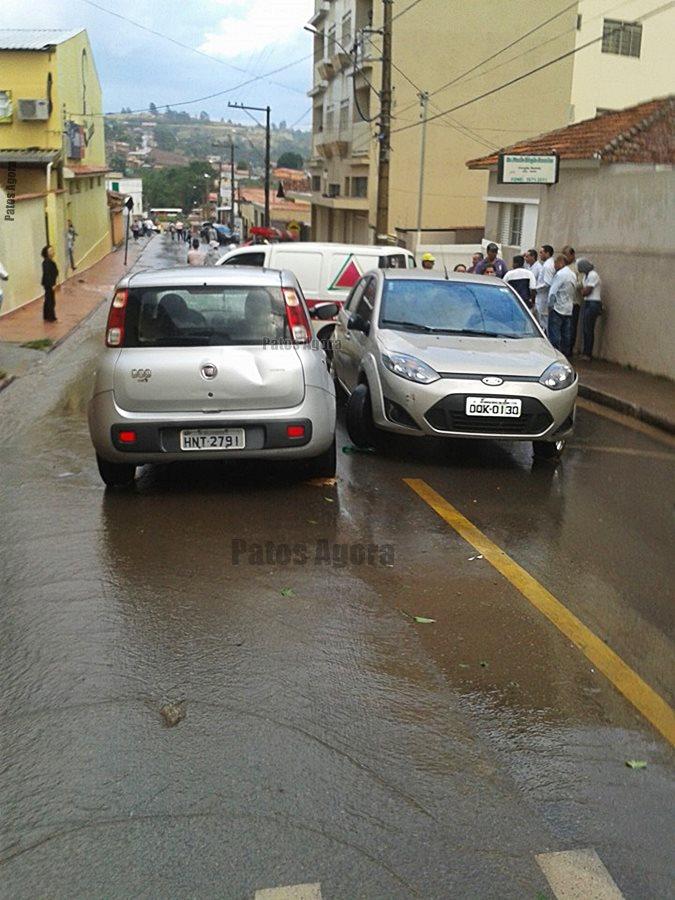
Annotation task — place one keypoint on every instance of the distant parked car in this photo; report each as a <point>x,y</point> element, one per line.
<point>211,363</point>
<point>461,356</point>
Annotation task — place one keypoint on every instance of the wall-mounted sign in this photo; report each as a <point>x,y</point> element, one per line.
<point>528,168</point>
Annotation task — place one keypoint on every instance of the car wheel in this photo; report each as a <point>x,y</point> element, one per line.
<point>547,449</point>
<point>359,418</point>
<point>116,474</point>
<point>324,465</point>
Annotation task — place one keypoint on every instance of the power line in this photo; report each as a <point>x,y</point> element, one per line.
<point>407,9</point>
<point>177,43</point>
<point>539,68</point>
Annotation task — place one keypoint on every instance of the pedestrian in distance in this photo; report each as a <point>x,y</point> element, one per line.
<point>591,291</point>
<point>560,305</point>
<point>179,230</point>
<point>135,229</point>
<point>428,260</point>
<point>71,234</point>
<point>544,278</point>
<point>172,230</point>
<point>195,256</point>
<point>491,259</point>
<point>460,267</point>
<point>475,259</point>
<point>571,257</point>
<point>522,281</point>
<point>4,276</point>
<point>50,275</point>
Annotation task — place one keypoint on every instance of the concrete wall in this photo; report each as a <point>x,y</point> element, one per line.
<point>621,217</point>
<point>20,244</point>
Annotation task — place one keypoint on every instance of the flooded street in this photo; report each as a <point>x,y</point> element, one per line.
<point>324,736</point>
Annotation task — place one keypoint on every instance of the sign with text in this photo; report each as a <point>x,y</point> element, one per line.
<point>528,168</point>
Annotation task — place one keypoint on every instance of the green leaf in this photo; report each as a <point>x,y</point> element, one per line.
<point>422,620</point>
<point>636,763</point>
<point>287,592</point>
<point>484,664</point>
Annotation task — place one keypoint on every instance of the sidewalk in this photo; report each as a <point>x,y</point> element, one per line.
<point>78,297</point>
<point>637,394</point>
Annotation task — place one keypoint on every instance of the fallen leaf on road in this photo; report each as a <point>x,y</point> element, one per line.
<point>484,664</point>
<point>422,620</point>
<point>636,763</point>
<point>329,500</point>
<point>287,592</point>
<point>312,522</point>
<point>471,558</point>
<point>322,482</point>
<point>464,666</point>
<point>172,713</point>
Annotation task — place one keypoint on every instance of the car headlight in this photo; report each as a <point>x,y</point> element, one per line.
<point>558,376</point>
<point>409,367</point>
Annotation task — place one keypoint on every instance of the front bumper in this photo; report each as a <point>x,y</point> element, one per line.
<point>158,433</point>
<point>439,408</point>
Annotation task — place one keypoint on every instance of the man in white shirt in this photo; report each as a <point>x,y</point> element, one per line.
<point>591,291</point>
<point>561,305</point>
<point>522,281</point>
<point>544,279</point>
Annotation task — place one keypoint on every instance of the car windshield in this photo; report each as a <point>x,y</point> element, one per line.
<point>205,316</point>
<point>454,307</point>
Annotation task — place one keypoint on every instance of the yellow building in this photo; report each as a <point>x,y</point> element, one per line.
<point>456,53</point>
<point>52,157</point>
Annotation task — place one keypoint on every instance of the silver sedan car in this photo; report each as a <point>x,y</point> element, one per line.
<point>211,364</point>
<point>461,356</point>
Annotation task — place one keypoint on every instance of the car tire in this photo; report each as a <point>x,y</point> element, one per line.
<point>359,418</point>
<point>324,465</point>
<point>547,449</point>
<point>116,474</point>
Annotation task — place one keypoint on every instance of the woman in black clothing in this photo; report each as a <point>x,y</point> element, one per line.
<point>50,274</point>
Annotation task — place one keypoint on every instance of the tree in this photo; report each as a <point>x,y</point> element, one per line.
<point>282,125</point>
<point>165,138</point>
<point>204,116</point>
<point>290,160</point>
<point>242,165</point>
<point>153,109</point>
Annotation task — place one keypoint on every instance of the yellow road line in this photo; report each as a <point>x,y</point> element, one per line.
<point>652,706</point>
<point>628,421</point>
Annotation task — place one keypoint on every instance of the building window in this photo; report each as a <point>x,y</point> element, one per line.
<point>344,115</point>
<point>98,181</point>
<point>346,30</point>
<point>332,32</point>
<point>510,224</point>
<point>316,182</point>
<point>333,190</point>
<point>360,186</point>
<point>346,187</point>
<point>318,46</point>
<point>330,118</point>
<point>622,38</point>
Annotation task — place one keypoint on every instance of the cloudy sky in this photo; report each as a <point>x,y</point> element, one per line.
<point>243,38</point>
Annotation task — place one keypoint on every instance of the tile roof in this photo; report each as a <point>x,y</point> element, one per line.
<point>31,157</point>
<point>257,196</point>
<point>79,170</point>
<point>34,38</point>
<point>640,134</point>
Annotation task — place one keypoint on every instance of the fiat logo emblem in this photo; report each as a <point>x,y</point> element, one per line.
<point>492,380</point>
<point>209,371</point>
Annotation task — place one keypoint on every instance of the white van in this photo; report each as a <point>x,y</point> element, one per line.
<point>326,272</point>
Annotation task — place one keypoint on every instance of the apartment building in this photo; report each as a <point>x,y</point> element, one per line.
<point>594,58</point>
<point>52,156</point>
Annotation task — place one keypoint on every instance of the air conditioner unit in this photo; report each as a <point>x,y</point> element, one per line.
<point>34,110</point>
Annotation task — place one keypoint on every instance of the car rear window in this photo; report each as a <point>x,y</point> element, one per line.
<point>454,307</point>
<point>205,316</point>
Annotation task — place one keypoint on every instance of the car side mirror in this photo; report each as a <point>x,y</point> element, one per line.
<point>325,311</point>
<point>357,323</point>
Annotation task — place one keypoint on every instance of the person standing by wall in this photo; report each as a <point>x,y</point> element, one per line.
<point>560,305</point>
<point>491,259</point>
<point>71,234</point>
<point>50,275</point>
<point>571,257</point>
<point>522,281</point>
<point>591,291</point>
<point>544,278</point>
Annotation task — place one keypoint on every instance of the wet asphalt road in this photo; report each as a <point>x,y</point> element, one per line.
<point>327,737</point>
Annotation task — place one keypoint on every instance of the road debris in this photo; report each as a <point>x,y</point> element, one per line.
<point>471,558</point>
<point>172,713</point>
<point>636,763</point>
<point>287,592</point>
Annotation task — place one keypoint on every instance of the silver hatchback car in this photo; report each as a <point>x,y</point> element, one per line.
<point>420,353</point>
<point>211,363</point>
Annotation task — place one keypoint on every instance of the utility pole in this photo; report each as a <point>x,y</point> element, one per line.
<point>384,137</point>
<point>424,99</point>
<point>266,110</point>
<point>232,186</point>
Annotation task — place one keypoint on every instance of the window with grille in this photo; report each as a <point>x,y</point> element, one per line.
<point>360,186</point>
<point>510,224</point>
<point>331,41</point>
<point>330,118</point>
<point>316,182</point>
<point>622,38</point>
<point>344,115</point>
<point>346,31</point>
<point>333,190</point>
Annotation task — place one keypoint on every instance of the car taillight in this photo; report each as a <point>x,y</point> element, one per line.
<point>296,317</point>
<point>127,437</point>
<point>114,335</point>
<point>295,431</point>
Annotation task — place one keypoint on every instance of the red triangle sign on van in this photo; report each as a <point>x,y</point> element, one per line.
<point>348,275</point>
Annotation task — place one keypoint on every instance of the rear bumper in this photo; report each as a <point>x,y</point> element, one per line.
<point>158,441</point>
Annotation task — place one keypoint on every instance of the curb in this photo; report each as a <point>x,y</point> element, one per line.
<point>6,381</point>
<point>627,408</point>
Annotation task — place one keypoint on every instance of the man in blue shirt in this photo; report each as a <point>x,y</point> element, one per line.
<point>491,259</point>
